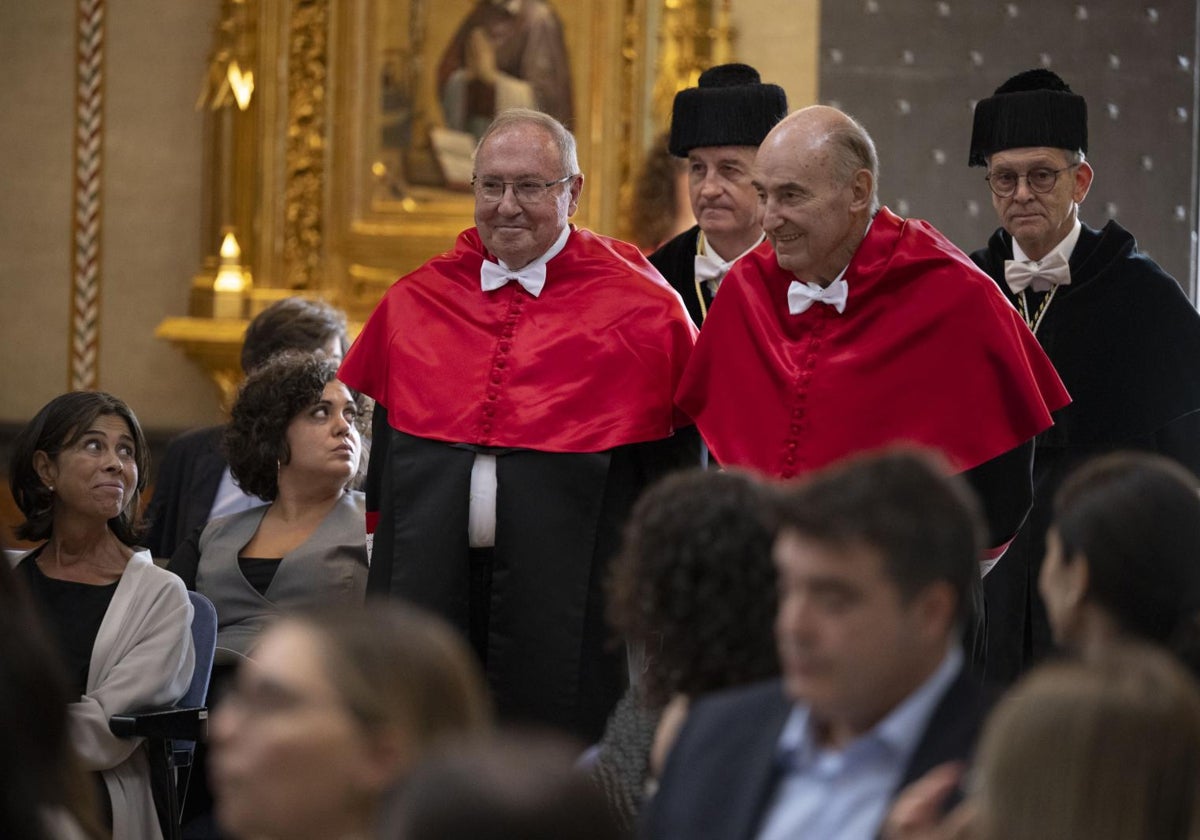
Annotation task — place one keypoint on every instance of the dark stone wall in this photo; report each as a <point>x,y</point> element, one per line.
<point>912,70</point>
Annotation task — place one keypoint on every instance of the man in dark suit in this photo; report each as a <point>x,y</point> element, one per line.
<point>194,484</point>
<point>877,560</point>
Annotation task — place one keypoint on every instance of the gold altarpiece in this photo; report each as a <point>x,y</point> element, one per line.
<point>328,160</point>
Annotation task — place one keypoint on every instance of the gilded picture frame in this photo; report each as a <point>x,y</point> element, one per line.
<point>394,202</point>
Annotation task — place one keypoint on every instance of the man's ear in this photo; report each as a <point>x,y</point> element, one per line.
<point>1083,182</point>
<point>576,189</point>
<point>862,185</point>
<point>936,607</point>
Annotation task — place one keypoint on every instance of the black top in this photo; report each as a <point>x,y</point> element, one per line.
<point>259,571</point>
<point>72,612</point>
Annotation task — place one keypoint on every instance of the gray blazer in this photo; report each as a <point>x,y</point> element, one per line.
<point>329,567</point>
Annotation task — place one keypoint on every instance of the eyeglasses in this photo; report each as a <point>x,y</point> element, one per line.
<point>525,192</point>
<point>1040,180</point>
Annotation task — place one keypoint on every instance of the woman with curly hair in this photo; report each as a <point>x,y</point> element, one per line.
<point>294,439</point>
<point>694,588</point>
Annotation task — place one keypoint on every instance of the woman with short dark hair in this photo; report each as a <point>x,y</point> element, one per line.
<point>122,625</point>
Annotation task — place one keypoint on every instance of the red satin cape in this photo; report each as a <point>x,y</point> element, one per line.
<point>927,352</point>
<point>590,364</point>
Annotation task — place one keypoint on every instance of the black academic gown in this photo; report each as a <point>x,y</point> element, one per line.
<point>676,261</point>
<point>1126,342</point>
<point>549,660</point>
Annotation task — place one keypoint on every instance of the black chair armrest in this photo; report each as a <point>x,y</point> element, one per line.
<point>188,724</point>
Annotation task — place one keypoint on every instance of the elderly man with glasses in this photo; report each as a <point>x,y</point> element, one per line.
<point>524,383</point>
<point>1121,333</point>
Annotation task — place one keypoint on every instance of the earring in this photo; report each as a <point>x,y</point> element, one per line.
<point>50,487</point>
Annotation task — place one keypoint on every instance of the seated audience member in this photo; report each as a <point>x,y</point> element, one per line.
<point>1123,556</point>
<point>876,560</point>
<point>334,710</point>
<point>516,787</point>
<point>194,483</point>
<point>121,625</point>
<point>44,792</point>
<point>293,440</point>
<point>694,587</point>
<point>1099,749</point>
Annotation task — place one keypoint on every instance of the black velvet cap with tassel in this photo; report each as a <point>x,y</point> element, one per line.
<point>1034,108</point>
<point>729,107</point>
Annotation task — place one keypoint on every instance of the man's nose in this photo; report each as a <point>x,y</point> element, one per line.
<point>508,204</point>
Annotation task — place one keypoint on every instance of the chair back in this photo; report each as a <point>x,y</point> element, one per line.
<point>204,639</point>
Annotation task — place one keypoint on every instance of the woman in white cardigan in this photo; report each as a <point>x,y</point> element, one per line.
<point>123,626</point>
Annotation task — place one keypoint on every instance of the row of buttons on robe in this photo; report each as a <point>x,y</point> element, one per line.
<point>500,358</point>
<point>790,465</point>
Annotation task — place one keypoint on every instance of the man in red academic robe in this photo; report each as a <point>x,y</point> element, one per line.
<point>852,329</point>
<point>524,383</point>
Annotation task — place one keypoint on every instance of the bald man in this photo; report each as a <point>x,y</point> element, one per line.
<point>850,329</point>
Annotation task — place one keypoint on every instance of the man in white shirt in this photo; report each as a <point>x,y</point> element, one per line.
<point>876,560</point>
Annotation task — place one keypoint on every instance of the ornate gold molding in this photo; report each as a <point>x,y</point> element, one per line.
<point>304,156</point>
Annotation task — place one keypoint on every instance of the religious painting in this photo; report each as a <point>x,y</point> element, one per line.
<point>447,69</point>
<point>501,54</point>
<point>416,83</point>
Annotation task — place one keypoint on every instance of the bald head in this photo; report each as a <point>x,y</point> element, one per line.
<point>815,174</point>
<point>820,128</point>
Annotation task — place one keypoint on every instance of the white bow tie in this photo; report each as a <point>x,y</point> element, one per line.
<point>1053,271</point>
<point>709,268</point>
<point>493,276</point>
<point>800,296</point>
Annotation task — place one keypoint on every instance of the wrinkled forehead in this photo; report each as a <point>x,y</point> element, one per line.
<point>519,150</point>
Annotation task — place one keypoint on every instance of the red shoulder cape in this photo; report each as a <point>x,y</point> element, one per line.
<point>591,364</point>
<point>927,352</point>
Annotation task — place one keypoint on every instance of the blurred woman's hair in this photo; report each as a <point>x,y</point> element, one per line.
<point>41,779</point>
<point>399,666</point>
<point>1135,518</point>
<point>694,582</point>
<point>1107,749</point>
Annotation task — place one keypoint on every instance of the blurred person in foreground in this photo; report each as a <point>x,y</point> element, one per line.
<point>1102,749</point>
<point>335,710</point>
<point>693,592</point>
<point>877,558</point>
<point>44,792</point>
<point>518,786</point>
